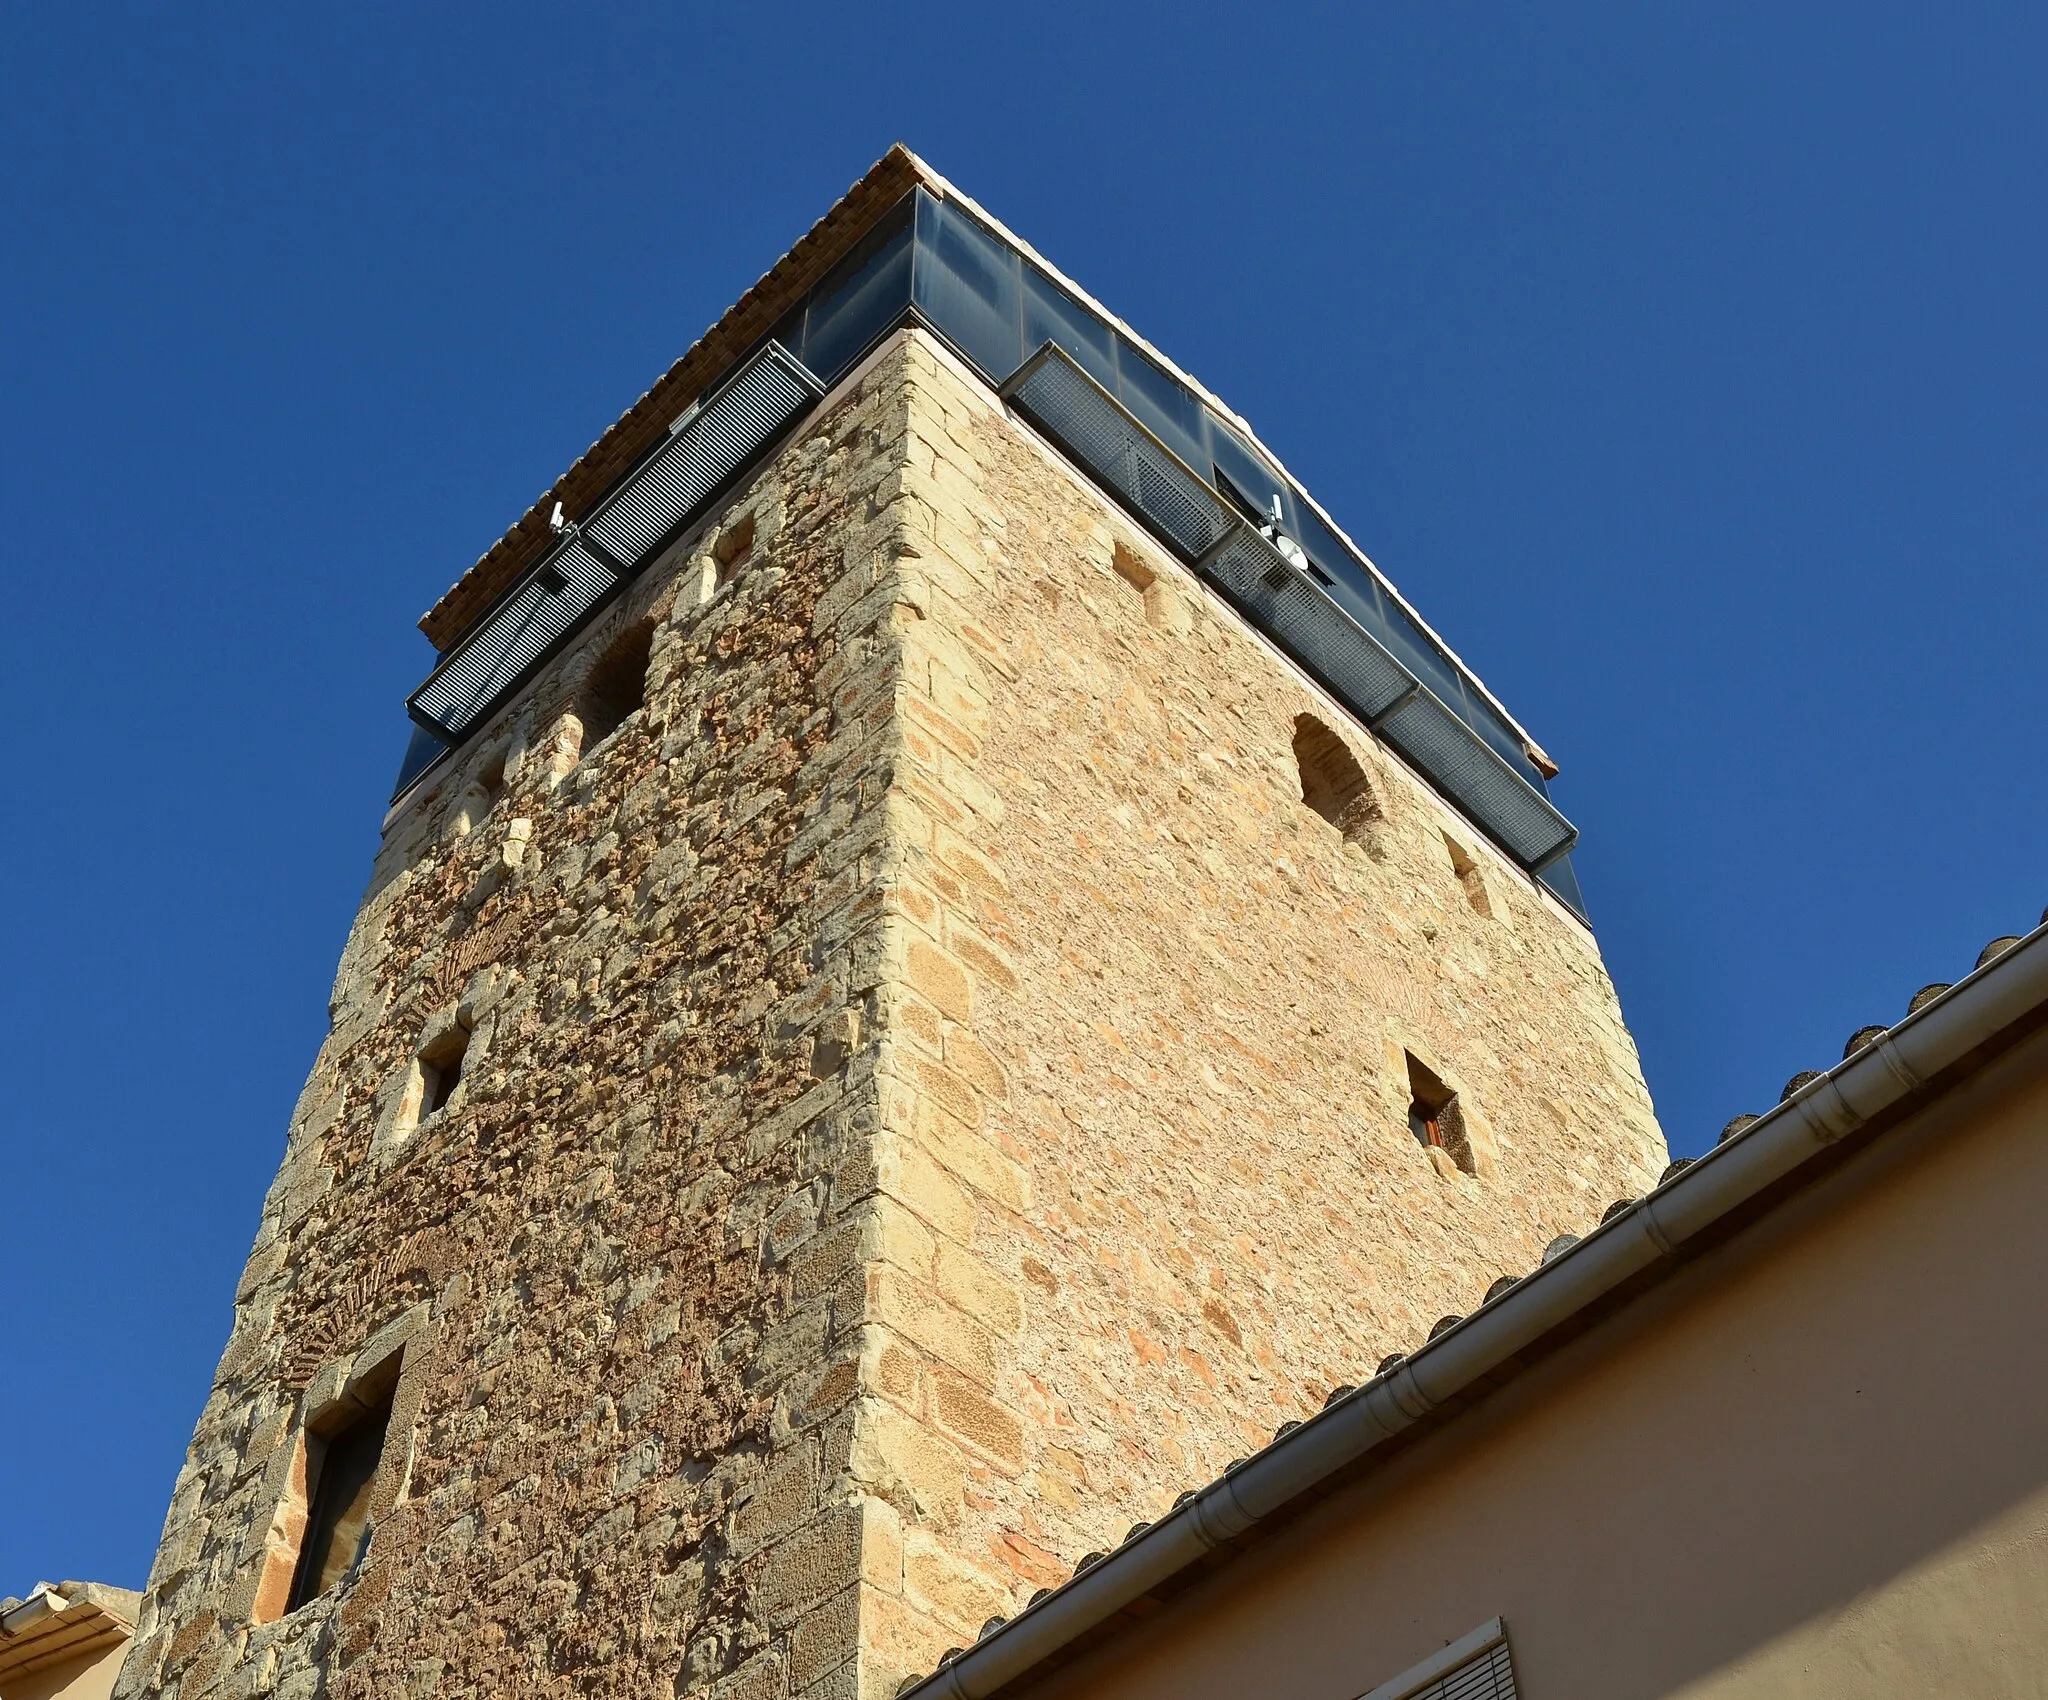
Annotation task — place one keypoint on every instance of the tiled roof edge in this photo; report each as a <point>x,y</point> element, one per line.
<point>1470,1355</point>
<point>891,177</point>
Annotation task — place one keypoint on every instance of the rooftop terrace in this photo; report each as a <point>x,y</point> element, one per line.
<point>904,247</point>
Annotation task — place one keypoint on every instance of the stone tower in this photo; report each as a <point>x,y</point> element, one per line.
<point>946,957</point>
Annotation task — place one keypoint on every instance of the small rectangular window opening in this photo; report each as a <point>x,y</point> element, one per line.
<point>1136,572</point>
<point>1469,877</point>
<point>490,779</point>
<point>1433,1114</point>
<point>483,793</point>
<point>1132,569</point>
<point>440,1082</point>
<point>616,687</point>
<point>729,553</point>
<point>343,1467</point>
<point>441,1072</point>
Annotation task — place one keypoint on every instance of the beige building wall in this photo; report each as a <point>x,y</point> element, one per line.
<point>90,1678</point>
<point>65,1641</point>
<point>1813,1464</point>
<point>929,1091</point>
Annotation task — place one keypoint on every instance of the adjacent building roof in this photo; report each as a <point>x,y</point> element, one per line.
<point>1824,1117</point>
<point>62,1623</point>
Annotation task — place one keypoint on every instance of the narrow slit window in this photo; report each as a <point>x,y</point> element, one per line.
<point>1434,1116</point>
<point>491,780</point>
<point>1136,572</point>
<point>343,1465</point>
<point>735,543</point>
<point>441,1073</point>
<point>483,793</point>
<point>1132,568</point>
<point>617,686</point>
<point>1470,880</point>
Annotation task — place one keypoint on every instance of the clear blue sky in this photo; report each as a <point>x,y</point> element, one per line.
<point>1685,365</point>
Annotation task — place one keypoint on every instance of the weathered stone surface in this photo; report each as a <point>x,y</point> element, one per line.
<point>1178,1097</point>
<point>930,1090</point>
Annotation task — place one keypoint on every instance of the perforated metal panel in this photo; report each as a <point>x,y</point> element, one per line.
<point>1464,766</point>
<point>1089,424</point>
<point>667,489</point>
<point>553,596</point>
<point>661,496</point>
<point>1285,603</point>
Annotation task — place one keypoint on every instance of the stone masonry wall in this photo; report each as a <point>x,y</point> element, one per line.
<point>628,1225</point>
<point>932,1091</point>
<point>1172,1077</point>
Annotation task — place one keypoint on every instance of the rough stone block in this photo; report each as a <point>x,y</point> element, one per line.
<point>940,979</point>
<point>817,1561</point>
<point>944,1586</point>
<point>899,1459</point>
<point>780,1502</point>
<point>910,1174</point>
<point>964,1280</point>
<point>967,1413</point>
<point>916,1312</point>
<point>971,1157</point>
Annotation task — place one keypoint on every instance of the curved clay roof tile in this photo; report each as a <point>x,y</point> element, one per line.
<point>1736,1124</point>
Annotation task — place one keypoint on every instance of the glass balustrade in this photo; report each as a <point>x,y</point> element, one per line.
<point>933,262</point>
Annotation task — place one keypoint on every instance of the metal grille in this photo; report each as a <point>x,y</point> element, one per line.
<point>1283,602</point>
<point>727,432</point>
<point>553,596</point>
<point>1488,1677</point>
<point>658,498</point>
<point>1513,812</point>
<point>1147,477</point>
<point>1473,1667</point>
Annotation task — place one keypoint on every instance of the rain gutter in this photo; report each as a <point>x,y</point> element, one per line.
<point>1678,1217</point>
